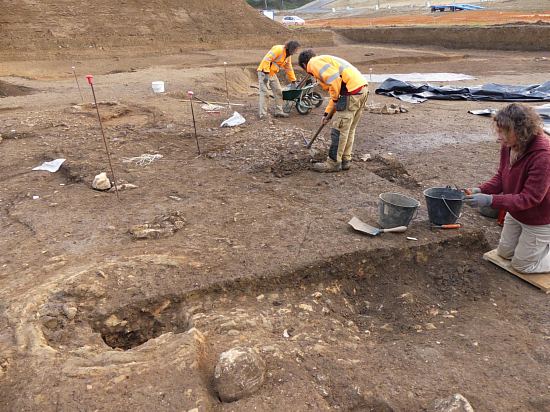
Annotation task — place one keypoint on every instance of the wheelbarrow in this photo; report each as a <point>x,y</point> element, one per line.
<point>304,98</point>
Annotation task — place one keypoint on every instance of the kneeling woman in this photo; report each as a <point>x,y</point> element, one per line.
<point>522,187</point>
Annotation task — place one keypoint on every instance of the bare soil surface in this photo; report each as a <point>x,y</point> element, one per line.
<point>474,17</point>
<point>54,30</point>
<point>253,247</point>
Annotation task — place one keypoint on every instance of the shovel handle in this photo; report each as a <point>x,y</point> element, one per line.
<point>308,146</point>
<point>398,229</point>
<point>315,135</point>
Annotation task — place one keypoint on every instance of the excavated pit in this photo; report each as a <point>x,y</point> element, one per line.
<point>132,326</point>
<point>8,89</point>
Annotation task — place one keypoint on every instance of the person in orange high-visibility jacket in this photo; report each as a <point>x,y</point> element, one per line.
<point>348,91</point>
<point>278,57</point>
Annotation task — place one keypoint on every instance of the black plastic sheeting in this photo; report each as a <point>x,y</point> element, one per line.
<point>543,111</point>
<point>412,93</point>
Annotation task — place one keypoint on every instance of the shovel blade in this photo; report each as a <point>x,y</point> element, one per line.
<point>363,227</point>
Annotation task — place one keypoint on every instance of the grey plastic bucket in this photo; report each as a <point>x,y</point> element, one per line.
<point>395,209</point>
<point>444,204</point>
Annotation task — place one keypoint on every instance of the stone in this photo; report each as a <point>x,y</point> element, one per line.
<point>228,326</point>
<point>306,307</point>
<point>69,311</point>
<point>112,321</point>
<point>387,327</point>
<point>407,297</point>
<point>454,403</point>
<point>148,231</point>
<point>101,182</point>
<point>239,373</point>
<point>123,186</point>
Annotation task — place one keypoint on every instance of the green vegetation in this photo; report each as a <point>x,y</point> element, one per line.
<point>277,4</point>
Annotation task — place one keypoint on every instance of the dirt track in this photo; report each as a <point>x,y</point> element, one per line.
<point>92,319</point>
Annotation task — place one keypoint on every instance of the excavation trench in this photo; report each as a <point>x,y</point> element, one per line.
<point>354,330</point>
<point>390,291</point>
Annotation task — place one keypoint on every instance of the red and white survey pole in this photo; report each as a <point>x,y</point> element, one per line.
<point>191,94</point>
<point>90,80</point>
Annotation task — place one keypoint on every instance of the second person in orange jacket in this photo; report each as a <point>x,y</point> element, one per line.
<point>278,57</point>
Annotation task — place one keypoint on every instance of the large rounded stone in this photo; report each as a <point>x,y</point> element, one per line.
<point>239,373</point>
<point>101,182</point>
<point>454,403</point>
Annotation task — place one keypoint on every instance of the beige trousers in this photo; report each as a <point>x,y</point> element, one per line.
<point>528,246</point>
<point>264,79</point>
<point>344,124</point>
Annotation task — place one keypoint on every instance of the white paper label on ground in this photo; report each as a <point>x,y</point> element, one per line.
<point>51,167</point>
<point>234,120</point>
<point>419,77</point>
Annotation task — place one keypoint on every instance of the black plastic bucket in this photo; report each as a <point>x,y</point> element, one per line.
<point>444,204</point>
<point>395,209</point>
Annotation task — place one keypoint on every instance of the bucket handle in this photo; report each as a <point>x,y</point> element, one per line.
<point>415,212</point>
<point>452,213</point>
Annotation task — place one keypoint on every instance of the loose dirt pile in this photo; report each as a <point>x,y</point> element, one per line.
<point>63,29</point>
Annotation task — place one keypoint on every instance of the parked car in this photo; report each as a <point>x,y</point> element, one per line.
<point>293,21</point>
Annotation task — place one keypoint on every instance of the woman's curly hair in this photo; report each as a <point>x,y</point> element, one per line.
<point>292,46</point>
<point>520,119</point>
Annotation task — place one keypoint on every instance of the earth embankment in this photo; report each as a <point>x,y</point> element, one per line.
<point>53,29</point>
<point>506,37</point>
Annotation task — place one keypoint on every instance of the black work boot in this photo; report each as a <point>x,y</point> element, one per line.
<point>346,164</point>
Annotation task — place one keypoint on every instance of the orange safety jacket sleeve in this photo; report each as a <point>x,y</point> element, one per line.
<point>291,76</point>
<point>331,72</point>
<point>276,58</point>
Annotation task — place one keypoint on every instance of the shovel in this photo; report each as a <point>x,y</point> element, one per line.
<point>308,145</point>
<point>371,230</point>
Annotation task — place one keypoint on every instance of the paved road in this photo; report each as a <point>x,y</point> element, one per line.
<point>318,6</point>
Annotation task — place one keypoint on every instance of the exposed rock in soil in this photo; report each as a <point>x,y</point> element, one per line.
<point>239,373</point>
<point>162,226</point>
<point>101,182</point>
<point>454,403</point>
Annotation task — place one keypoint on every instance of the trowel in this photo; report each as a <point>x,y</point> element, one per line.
<point>371,230</point>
